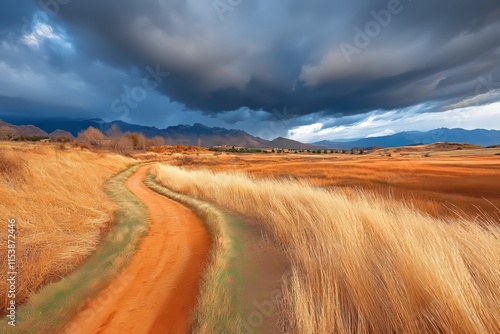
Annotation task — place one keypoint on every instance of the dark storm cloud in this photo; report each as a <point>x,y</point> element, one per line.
<point>264,55</point>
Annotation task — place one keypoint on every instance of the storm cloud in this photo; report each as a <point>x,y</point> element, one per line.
<point>319,59</point>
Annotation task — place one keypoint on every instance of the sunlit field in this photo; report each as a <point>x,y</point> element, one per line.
<point>442,184</point>
<point>56,196</point>
<point>360,264</point>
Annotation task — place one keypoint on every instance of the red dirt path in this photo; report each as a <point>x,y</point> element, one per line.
<point>157,291</point>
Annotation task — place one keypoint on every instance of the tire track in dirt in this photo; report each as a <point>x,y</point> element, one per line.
<point>158,289</point>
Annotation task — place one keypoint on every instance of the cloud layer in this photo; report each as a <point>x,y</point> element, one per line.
<point>317,58</point>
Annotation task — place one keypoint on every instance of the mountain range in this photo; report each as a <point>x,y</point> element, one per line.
<point>197,134</point>
<point>478,137</point>
<point>201,135</point>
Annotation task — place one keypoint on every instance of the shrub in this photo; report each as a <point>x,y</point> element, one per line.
<point>91,136</point>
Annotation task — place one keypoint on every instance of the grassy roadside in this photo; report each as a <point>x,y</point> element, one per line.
<point>54,305</point>
<point>220,307</point>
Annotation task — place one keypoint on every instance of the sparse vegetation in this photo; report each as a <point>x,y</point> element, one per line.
<point>361,265</point>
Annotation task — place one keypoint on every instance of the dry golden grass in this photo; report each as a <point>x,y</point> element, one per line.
<point>437,185</point>
<point>360,265</point>
<point>56,196</point>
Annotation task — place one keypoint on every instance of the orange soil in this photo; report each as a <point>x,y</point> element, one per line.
<point>157,291</point>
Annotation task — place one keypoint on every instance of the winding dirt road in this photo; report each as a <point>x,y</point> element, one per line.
<point>157,291</point>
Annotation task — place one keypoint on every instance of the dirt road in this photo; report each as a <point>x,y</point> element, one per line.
<point>156,292</point>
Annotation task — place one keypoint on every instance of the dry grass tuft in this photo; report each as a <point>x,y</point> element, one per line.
<point>62,212</point>
<point>12,167</point>
<point>360,265</point>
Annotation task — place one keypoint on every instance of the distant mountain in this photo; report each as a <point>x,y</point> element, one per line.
<point>201,135</point>
<point>281,142</point>
<point>478,137</point>
<point>26,130</point>
<point>197,134</point>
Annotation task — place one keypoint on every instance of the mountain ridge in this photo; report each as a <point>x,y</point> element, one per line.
<point>182,134</point>
<point>480,137</point>
<point>201,135</point>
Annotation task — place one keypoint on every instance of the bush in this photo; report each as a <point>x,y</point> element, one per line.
<point>30,138</point>
<point>91,136</point>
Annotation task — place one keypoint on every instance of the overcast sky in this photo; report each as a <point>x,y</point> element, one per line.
<point>309,70</point>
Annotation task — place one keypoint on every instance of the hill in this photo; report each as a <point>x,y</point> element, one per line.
<point>281,142</point>
<point>25,130</point>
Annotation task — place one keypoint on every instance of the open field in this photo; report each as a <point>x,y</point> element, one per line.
<point>358,243</point>
<point>440,184</point>
<point>360,264</point>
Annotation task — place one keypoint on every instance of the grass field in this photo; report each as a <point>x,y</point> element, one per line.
<point>61,210</point>
<point>360,264</point>
<point>440,185</point>
<point>393,241</point>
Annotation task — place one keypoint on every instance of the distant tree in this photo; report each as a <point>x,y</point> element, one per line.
<point>91,136</point>
<point>124,145</point>
<point>325,151</point>
<point>7,133</point>
<point>114,134</point>
<point>138,140</point>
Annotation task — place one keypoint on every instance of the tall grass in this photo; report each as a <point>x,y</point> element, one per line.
<point>52,307</point>
<point>359,265</point>
<point>61,210</point>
